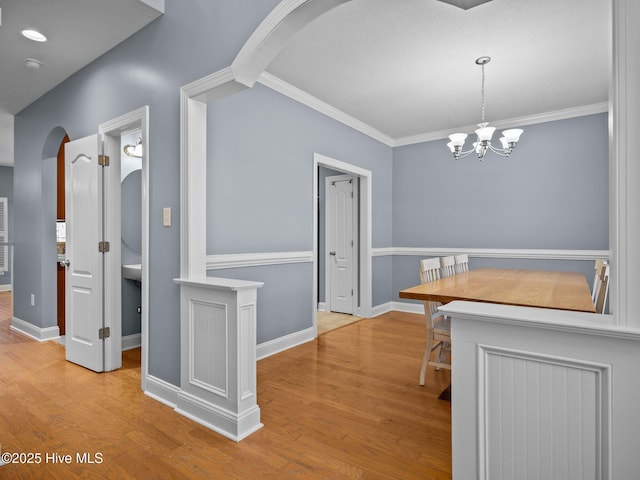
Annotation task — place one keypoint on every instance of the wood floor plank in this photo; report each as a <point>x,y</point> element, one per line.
<point>345,406</point>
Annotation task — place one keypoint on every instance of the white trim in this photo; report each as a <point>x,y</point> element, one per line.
<point>136,119</point>
<point>280,86</point>
<point>275,83</point>
<point>365,238</point>
<point>383,308</point>
<point>34,332</point>
<point>161,391</point>
<point>520,253</point>
<point>277,345</point>
<point>5,288</point>
<point>558,320</point>
<point>235,426</point>
<point>382,252</point>
<point>624,175</point>
<point>564,114</point>
<point>236,260</point>
<point>272,34</point>
<point>406,306</point>
<point>131,341</point>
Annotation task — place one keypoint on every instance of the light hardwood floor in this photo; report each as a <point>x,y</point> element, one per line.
<point>346,406</point>
<point>328,321</point>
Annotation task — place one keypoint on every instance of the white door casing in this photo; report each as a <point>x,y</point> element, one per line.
<point>111,131</point>
<point>84,216</point>
<point>341,243</point>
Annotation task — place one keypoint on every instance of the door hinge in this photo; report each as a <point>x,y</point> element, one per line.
<point>352,292</point>
<point>103,160</point>
<point>103,247</point>
<point>104,333</point>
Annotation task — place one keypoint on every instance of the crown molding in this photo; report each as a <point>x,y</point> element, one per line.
<point>280,86</point>
<point>275,83</point>
<point>509,123</point>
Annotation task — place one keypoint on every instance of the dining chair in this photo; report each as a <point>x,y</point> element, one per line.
<point>462,263</point>
<point>438,325</point>
<point>448,266</point>
<point>597,281</point>
<point>601,299</point>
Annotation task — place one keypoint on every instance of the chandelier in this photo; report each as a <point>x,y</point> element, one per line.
<point>509,138</point>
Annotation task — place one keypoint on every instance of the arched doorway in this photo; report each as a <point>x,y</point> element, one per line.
<point>60,236</point>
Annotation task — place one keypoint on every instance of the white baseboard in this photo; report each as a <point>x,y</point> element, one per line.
<point>34,332</point>
<point>322,306</point>
<point>5,288</point>
<point>131,341</point>
<point>234,426</point>
<point>281,344</point>
<point>161,391</point>
<point>380,309</point>
<point>408,307</point>
<point>204,413</point>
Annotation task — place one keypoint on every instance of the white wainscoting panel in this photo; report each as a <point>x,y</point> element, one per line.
<point>540,416</point>
<point>209,350</point>
<point>218,357</point>
<point>541,394</point>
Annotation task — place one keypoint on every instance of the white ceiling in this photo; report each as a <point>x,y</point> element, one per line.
<point>79,31</point>
<point>404,68</point>
<point>408,67</point>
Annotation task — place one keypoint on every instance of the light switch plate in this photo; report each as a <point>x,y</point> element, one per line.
<point>166,217</point>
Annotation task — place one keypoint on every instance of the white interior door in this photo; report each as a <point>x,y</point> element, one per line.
<point>341,243</point>
<point>84,216</point>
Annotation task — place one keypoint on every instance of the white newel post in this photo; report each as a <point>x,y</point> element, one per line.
<point>218,355</point>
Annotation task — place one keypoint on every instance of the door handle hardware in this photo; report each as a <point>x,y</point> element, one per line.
<point>332,252</point>
<point>64,263</point>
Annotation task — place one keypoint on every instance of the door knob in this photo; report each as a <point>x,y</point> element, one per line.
<point>64,263</point>
<point>332,252</point>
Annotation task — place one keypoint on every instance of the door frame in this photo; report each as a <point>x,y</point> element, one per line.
<point>328,231</point>
<point>365,249</point>
<point>110,132</point>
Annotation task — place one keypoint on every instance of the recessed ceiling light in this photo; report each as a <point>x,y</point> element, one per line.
<point>34,35</point>
<point>32,63</point>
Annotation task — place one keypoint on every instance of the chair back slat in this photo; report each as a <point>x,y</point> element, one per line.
<point>448,266</point>
<point>429,270</point>
<point>601,300</point>
<point>597,280</point>
<point>462,263</point>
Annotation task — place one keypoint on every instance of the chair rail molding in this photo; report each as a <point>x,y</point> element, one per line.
<point>521,253</point>
<point>235,260</point>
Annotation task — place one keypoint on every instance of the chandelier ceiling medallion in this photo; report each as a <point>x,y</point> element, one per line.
<point>509,138</point>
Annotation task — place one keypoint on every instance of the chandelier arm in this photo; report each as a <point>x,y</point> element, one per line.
<point>466,153</point>
<point>500,151</point>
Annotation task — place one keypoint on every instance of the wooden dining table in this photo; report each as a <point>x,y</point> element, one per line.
<point>529,288</point>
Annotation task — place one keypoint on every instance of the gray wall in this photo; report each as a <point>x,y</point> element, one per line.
<point>552,193</point>
<point>192,39</point>
<point>6,190</point>
<point>259,195</point>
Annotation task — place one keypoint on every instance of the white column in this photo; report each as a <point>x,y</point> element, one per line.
<point>624,174</point>
<point>218,355</point>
